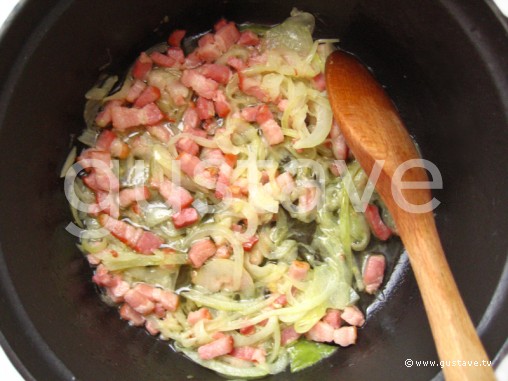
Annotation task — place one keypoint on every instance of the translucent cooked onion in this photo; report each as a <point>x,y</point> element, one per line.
<point>324,118</point>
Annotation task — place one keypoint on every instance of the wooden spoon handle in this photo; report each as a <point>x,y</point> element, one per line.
<point>374,132</point>
<point>457,342</point>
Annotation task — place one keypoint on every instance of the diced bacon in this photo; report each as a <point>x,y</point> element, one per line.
<point>185,217</point>
<point>124,118</point>
<point>188,163</point>
<point>159,132</point>
<point>99,180</point>
<point>288,335</point>
<point>104,140</point>
<point>152,327</point>
<point>251,86</point>
<point>169,300</point>
<point>250,354</point>
<point>376,224</point>
<point>147,243</point>
<point>283,104</point>
<point>319,82</point>
<point>219,73</point>
<point>139,302</point>
<point>102,277</point>
<point>147,290</point>
<point>130,195</point>
<point>132,316</point>
<point>142,67</point>
<point>286,183</point>
<point>206,39</point>
<point>90,158</point>
<point>248,245</point>
<point>149,95</point>
<point>332,317</point>
<point>248,38</point>
<point>176,54</point>
<point>223,180</point>
<point>223,252</point>
<point>200,251</point>
<point>141,241</point>
<point>177,197</point>
<point>265,177</point>
<point>272,132</point>
<point>373,272</point>
<point>249,114</point>
<point>298,270</point>
<point>227,36</point>
<point>339,146</point>
<point>220,347</point>
<point>202,314</point>
<point>118,289</point>
<point>192,60</point>
<point>281,301</point>
<point>208,49</point>
<point>101,177</point>
<point>187,145</point>
<point>264,114</point>
<point>321,332</point>
<point>203,86</point>
<point>159,311</point>
<point>222,107</point>
<point>135,91</point>
<point>205,108</point>
<point>190,117</point>
<point>236,63</point>
<point>178,93</point>
<point>249,330</point>
<point>165,299</point>
<point>176,37</point>
<point>345,336</point>
<point>104,117</point>
<point>106,202</point>
<point>162,60</point>
<point>220,24</point>
<point>352,315</point>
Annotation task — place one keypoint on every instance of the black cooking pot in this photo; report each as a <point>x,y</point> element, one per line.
<point>442,61</point>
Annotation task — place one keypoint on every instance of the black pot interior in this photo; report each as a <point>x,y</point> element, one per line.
<point>441,61</point>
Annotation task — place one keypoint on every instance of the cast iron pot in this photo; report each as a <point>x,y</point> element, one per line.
<point>443,62</point>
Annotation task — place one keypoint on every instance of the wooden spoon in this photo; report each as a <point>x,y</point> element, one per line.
<point>374,131</point>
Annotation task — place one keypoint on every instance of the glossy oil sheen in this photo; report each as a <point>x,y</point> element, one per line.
<point>442,62</point>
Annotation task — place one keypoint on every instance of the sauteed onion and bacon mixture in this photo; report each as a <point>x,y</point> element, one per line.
<point>218,213</point>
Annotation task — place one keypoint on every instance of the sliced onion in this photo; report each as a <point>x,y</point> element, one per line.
<point>322,129</point>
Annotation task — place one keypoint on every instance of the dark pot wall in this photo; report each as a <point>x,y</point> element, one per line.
<point>442,62</point>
